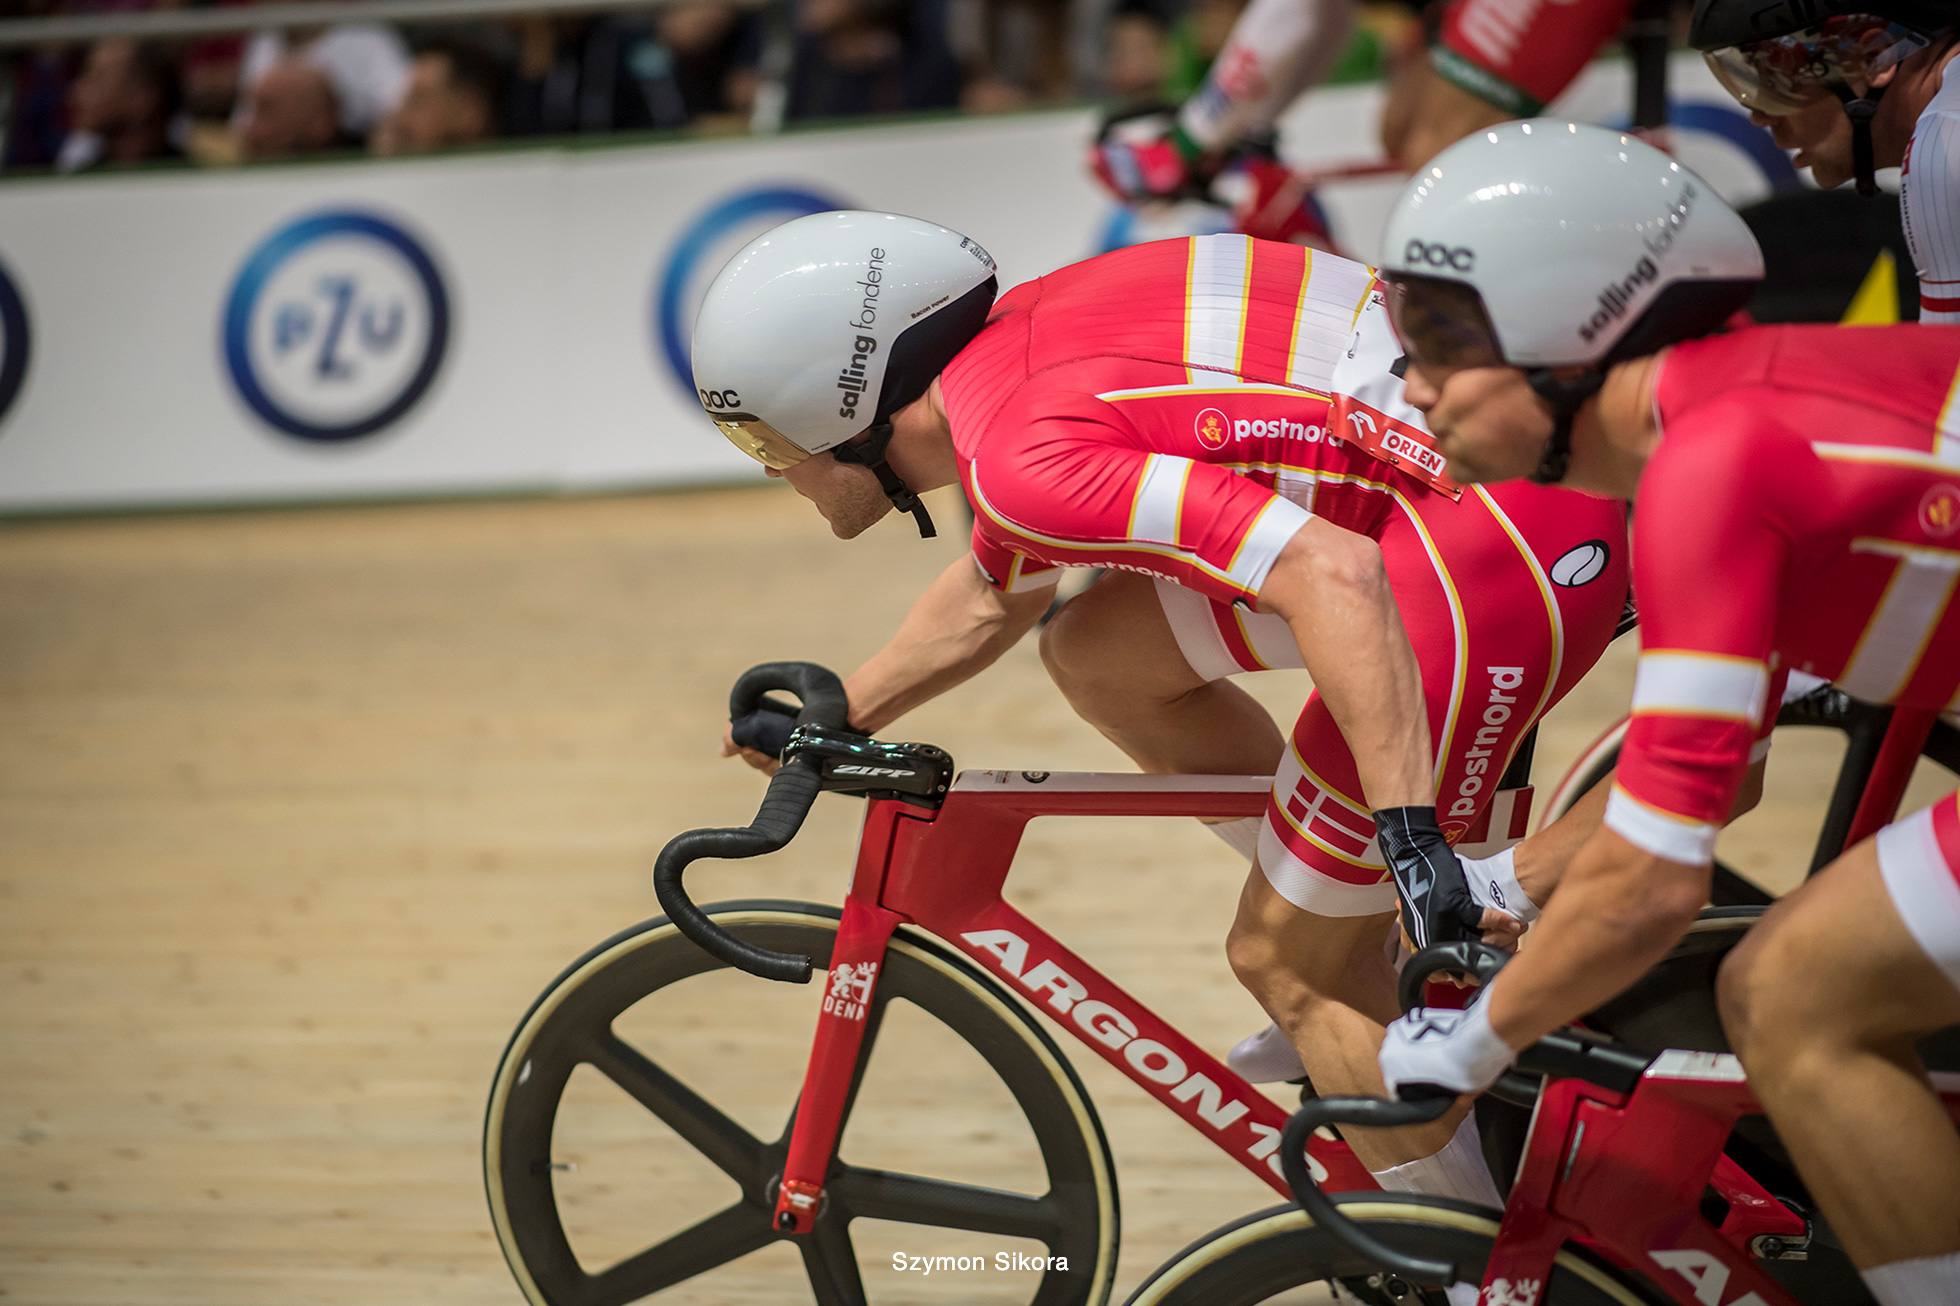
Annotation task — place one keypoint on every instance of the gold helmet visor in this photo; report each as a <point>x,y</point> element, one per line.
<point>758,440</point>
<point>1785,74</point>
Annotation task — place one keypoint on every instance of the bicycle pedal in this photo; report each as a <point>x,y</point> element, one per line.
<point>1392,1290</point>
<point>1782,1247</point>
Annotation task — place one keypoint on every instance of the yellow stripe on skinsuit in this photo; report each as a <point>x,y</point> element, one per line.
<point>1190,288</point>
<point>1238,615</point>
<point>1361,303</point>
<point>1441,742</point>
<point>1092,548</point>
<point>1136,495</point>
<point>1293,330</point>
<point>1552,613</point>
<point>1245,306</point>
<point>1226,392</point>
<point>1946,441</point>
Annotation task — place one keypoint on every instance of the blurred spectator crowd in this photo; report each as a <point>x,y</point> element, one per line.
<point>695,64</point>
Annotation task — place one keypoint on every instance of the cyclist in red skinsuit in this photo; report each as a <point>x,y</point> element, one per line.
<point>1086,436</point>
<point>1830,469</point>
<point>1492,60</point>
<point>1519,55</point>
<point>1178,412</point>
<point>1798,510</point>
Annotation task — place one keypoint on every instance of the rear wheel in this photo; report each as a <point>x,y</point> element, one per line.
<point>639,1120</point>
<point>1281,1257</point>
<point>1827,707</point>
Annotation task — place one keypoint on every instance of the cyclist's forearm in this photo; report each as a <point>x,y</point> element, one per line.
<point>1617,912</point>
<point>1540,861</point>
<point>1331,588</point>
<point>1750,791</point>
<point>958,628</point>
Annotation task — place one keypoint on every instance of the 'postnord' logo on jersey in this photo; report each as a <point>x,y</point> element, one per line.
<point>1939,511</point>
<point>1213,429</point>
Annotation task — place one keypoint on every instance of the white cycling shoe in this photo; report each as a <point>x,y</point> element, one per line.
<point>1265,1058</point>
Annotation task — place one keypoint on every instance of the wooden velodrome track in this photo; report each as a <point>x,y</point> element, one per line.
<point>299,810</point>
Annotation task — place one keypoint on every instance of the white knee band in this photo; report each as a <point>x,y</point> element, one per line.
<point>1241,836</point>
<point>1927,1281</point>
<point>1456,1171</point>
<point>1314,891</point>
<point>1922,889</point>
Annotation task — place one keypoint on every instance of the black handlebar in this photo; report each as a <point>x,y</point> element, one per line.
<point>821,692</point>
<point>1373,1113</point>
<point>791,792</point>
<point>1467,957</point>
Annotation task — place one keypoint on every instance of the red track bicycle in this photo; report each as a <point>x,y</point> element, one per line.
<point>1629,1190</point>
<point>1644,1171</point>
<point>923,923</point>
<point>924,941</point>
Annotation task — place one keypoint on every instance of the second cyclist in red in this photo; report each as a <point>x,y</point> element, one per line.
<point>1798,510</point>
<point>1179,414</point>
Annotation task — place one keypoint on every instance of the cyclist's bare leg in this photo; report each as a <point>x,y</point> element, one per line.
<point>1409,77</point>
<point>1111,652</point>
<point>1824,1002</point>
<point>1437,116</point>
<point>1327,983</point>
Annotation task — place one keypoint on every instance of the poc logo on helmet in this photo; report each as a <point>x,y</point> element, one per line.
<point>1457,258</point>
<point>712,399</point>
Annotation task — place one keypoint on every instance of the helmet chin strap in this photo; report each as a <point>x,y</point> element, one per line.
<point>870,452</point>
<point>1567,395</point>
<point>1861,109</point>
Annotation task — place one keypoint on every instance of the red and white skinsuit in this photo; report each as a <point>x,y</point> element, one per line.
<point>1801,513</point>
<point>1179,409</point>
<point>1515,54</point>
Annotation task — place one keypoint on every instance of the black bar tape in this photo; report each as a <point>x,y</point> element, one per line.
<point>792,790</point>
<point>1372,1113</point>
<point>767,729</point>
<point>1478,960</point>
<point>821,692</point>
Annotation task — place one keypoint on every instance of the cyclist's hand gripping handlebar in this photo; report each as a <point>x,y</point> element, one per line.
<point>767,728</point>
<point>791,792</point>
<point>1421,1105</point>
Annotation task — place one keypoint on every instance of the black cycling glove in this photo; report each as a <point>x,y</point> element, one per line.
<point>767,729</point>
<point>1437,906</point>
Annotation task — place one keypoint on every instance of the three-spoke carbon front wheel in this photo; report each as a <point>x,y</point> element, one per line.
<point>638,1123</point>
<point>1279,1256</point>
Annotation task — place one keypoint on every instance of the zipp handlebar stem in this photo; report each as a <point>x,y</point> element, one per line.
<point>1372,1113</point>
<point>792,790</point>
<point>1462,958</point>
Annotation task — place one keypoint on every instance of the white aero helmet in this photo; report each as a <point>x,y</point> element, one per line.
<point>1549,244</point>
<point>819,329</point>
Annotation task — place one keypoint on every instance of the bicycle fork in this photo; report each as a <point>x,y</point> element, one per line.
<point>831,1080</point>
<point>850,991</point>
